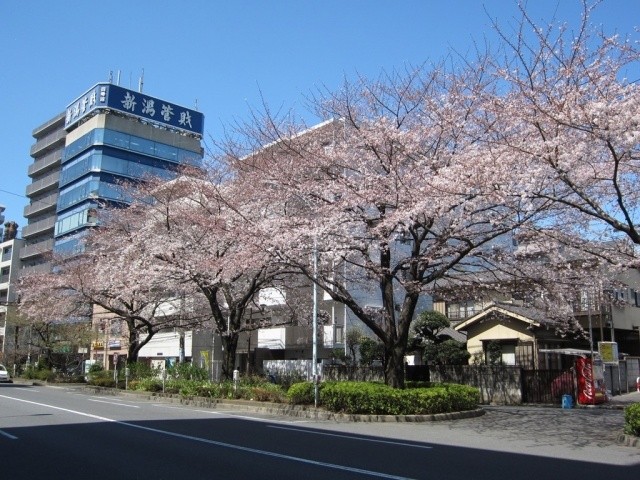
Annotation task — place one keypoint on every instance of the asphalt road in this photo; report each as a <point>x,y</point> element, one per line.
<point>64,433</point>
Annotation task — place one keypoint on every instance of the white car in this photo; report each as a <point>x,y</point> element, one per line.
<point>4,374</point>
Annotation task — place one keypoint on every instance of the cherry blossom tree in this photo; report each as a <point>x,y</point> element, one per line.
<point>401,191</point>
<point>111,278</point>
<point>53,314</point>
<point>200,231</point>
<point>569,111</point>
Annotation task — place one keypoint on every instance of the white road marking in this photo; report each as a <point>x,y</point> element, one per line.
<point>229,413</point>
<point>5,434</point>
<point>26,389</point>
<point>351,437</point>
<point>217,443</point>
<point>113,403</point>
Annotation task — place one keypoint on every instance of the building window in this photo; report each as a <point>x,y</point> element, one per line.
<point>500,352</point>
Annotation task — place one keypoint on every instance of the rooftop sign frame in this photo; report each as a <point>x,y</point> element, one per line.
<point>107,96</point>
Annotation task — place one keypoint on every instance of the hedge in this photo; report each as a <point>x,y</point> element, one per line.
<point>632,419</point>
<point>378,399</point>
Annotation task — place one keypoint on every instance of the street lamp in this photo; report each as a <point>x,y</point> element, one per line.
<point>314,359</point>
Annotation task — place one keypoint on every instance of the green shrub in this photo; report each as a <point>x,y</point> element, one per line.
<point>418,384</point>
<point>378,399</point>
<point>139,370</point>
<point>187,371</point>
<point>38,372</point>
<point>286,380</point>
<point>102,378</point>
<point>359,397</point>
<point>208,390</point>
<point>71,379</point>
<point>632,419</point>
<point>301,393</point>
<point>150,384</point>
<point>96,367</point>
<point>268,392</point>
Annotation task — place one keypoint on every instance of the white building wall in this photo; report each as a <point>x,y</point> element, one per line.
<point>166,345</point>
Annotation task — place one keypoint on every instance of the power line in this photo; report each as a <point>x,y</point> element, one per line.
<point>11,193</point>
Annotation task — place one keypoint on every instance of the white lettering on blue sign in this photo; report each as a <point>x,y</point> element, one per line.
<point>129,102</point>
<point>185,119</point>
<point>148,107</point>
<point>167,112</point>
<point>92,99</point>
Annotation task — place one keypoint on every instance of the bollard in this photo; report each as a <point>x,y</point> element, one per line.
<point>236,379</point>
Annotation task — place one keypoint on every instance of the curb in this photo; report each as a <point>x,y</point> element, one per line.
<point>629,440</point>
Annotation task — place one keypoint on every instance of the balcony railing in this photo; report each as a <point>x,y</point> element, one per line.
<point>36,249</point>
<point>38,206</point>
<point>45,162</point>
<point>39,227</point>
<point>47,142</point>
<point>40,268</point>
<point>45,183</point>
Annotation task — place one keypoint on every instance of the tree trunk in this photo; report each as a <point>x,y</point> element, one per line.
<point>229,344</point>
<point>132,352</point>
<point>394,366</point>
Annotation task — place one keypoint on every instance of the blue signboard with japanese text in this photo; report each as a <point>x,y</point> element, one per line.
<point>113,97</point>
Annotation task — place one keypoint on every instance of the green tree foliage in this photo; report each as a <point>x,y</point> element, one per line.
<point>428,326</point>
<point>449,352</point>
<point>494,353</point>
<point>353,339</point>
<point>370,351</point>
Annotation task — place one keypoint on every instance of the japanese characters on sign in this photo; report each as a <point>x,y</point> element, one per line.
<point>113,97</point>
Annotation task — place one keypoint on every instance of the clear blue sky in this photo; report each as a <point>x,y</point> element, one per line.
<point>227,53</point>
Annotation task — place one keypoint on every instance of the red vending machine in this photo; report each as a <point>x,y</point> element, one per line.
<point>591,387</point>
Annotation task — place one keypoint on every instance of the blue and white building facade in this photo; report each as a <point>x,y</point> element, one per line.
<point>113,136</point>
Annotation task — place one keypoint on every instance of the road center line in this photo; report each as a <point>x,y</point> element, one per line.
<point>351,437</point>
<point>216,443</point>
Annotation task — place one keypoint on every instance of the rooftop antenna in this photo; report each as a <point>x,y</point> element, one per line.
<point>141,82</point>
<point>110,76</point>
<point>118,82</point>
<point>196,105</point>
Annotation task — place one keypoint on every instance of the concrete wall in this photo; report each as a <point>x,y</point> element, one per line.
<point>499,385</point>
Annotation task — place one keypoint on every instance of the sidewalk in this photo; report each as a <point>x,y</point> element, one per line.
<point>621,401</point>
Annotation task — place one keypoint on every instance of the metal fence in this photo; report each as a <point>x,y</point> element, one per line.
<point>547,386</point>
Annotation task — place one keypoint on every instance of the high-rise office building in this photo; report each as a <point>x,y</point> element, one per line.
<point>42,193</point>
<point>106,136</point>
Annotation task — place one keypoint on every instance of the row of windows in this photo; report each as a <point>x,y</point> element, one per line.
<point>97,161</point>
<point>70,245</point>
<point>75,220</point>
<point>103,136</point>
<point>91,187</point>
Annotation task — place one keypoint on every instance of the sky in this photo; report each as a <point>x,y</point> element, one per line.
<point>229,57</point>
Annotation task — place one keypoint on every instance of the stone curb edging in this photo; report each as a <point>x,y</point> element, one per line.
<point>629,440</point>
